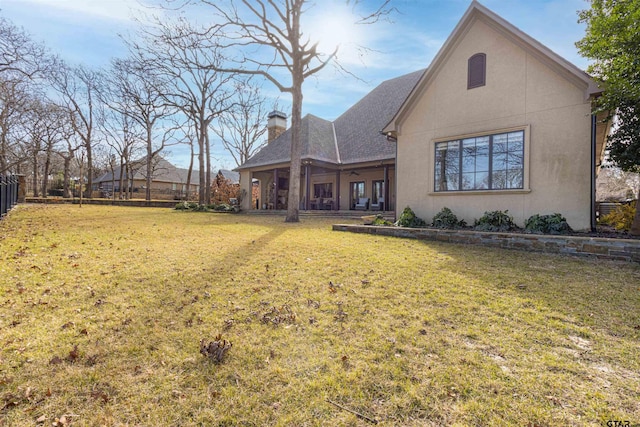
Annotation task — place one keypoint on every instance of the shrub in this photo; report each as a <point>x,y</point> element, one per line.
<point>223,207</point>
<point>621,218</point>
<point>409,219</point>
<point>547,224</point>
<point>447,219</point>
<point>495,221</point>
<point>191,206</point>
<point>381,221</point>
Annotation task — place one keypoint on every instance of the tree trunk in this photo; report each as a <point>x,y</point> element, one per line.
<point>293,202</point>
<point>121,177</point>
<point>207,194</point>
<point>201,181</point>
<point>66,190</point>
<point>149,164</point>
<point>188,192</point>
<point>635,225</point>
<point>45,172</point>
<point>89,190</point>
<point>36,190</point>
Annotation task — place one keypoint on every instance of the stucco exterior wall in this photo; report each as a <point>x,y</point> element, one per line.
<point>523,91</point>
<point>246,186</point>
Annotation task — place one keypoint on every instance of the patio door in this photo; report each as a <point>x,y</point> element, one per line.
<point>356,192</point>
<point>377,191</point>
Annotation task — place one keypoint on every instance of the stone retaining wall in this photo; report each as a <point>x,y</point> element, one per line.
<point>109,202</point>
<point>596,247</point>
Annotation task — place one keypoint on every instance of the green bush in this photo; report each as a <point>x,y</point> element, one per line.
<point>381,221</point>
<point>409,219</point>
<point>495,221</point>
<point>191,206</point>
<point>621,218</point>
<point>447,219</point>
<point>223,207</point>
<point>182,206</point>
<point>547,224</point>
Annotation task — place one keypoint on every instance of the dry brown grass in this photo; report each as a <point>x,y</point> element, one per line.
<point>102,310</point>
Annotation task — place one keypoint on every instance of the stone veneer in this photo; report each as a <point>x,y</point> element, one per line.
<point>597,247</point>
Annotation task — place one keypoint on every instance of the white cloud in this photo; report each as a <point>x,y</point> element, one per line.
<point>119,10</point>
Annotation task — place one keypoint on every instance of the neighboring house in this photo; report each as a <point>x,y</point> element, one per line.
<point>167,181</point>
<point>343,161</point>
<point>232,177</point>
<point>499,122</point>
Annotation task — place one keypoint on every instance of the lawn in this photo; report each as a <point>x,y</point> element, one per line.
<point>102,310</point>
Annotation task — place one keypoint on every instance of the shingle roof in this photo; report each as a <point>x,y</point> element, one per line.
<point>163,171</point>
<point>232,176</point>
<point>358,129</point>
<point>353,138</point>
<point>318,144</point>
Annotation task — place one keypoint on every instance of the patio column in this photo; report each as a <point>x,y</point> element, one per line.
<point>275,189</point>
<point>307,184</point>
<point>337,204</point>
<point>386,187</point>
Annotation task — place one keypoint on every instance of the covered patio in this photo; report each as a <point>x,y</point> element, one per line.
<point>327,187</point>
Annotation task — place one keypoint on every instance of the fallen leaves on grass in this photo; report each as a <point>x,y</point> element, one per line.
<point>278,315</point>
<point>215,350</point>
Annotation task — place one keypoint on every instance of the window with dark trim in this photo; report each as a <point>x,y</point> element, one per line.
<point>489,162</point>
<point>477,71</point>
<point>324,190</point>
<point>356,192</point>
<point>377,191</point>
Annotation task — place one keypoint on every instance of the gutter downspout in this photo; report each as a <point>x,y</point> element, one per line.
<point>593,171</point>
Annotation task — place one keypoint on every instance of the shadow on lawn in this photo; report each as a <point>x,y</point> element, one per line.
<point>594,293</point>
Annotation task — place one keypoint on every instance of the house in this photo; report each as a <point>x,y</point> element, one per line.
<point>168,181</point>
<point>232,177</point>
<point>499,122</point>
<point>496,122</point>
<point>343,161</point>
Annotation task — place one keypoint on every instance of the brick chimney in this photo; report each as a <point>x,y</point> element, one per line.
<point>276,125</point>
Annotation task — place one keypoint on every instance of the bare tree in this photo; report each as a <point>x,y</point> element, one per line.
<point>46,128</point>
<point>19,55</point>
<point>123,137</point>
<point>67,154</point>
<point>181,60</point>
<point>241,128</point>
<point>78,88</point>
<point>140,96</point>
<point>275,26</point>
<point>14,104</point>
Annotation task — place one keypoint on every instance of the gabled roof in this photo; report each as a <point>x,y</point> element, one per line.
<point>476,11</point>
<point>163,171</point>
<point>353,138</point>
<point>318,144</point>
<point>232,176</point>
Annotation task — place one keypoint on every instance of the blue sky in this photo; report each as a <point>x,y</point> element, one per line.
<point>86,32</point>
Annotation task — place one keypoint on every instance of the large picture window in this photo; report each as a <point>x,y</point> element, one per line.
<point>489,162</point>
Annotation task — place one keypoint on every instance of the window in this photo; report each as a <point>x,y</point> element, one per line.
<point>378,191</point>
<point>357,192</point>
<point>477,71</point>
<point>490,162</point>
<point>324,191</point>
